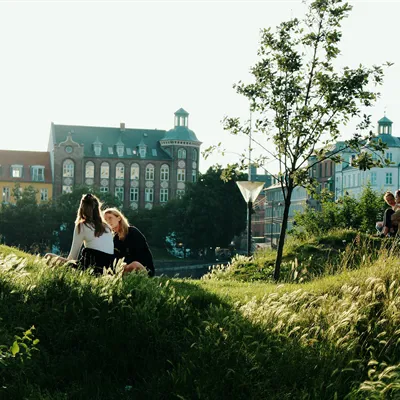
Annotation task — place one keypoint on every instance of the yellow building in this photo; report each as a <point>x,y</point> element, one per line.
<point>27,168</point>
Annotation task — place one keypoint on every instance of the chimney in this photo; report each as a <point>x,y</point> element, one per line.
<point>122,126</point>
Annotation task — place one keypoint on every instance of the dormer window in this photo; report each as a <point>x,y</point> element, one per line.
<point>16,171</point>
<point>37,173</point>
<point>120,147</point>
<point>97,147</point>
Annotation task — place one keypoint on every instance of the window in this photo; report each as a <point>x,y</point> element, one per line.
<point>119,193</point>
<point>6,194</point>
<point>97,149</point>
<point>194,154</point>
<point>181,153</point>
<point>110,150</point>
<point>180,193</point>
<point>142,151</point>
<point>104,189</point>
<point>181,174</point>
<point>149,194</point>
<point>68,169</point>
<point>389,178</point>
<point>38,174</point>
<point>150,172</point>
<point>67,189</point>
<point>104,170</point>
<point>389,156</point>
<point>119,171</point>
<point>89,170</point>
<point>164,172</point>
<point>194,175</point>
<point>16,171</point>
<point>154,152</point>
<point>134,194</point>
<point>135,170</point>
<point>163,195</point>
<point>44,194</point>
<point>373,178</point>
<point>120,150</point>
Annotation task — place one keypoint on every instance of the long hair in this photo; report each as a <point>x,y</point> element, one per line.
<point>123,224</point>
<point>89,214</point>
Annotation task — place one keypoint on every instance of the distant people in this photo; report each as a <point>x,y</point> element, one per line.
<point>92,231</point>
<point>129,243</point>
<point>387,226</point>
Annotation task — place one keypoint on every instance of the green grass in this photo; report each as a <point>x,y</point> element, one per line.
<point>333,337</point>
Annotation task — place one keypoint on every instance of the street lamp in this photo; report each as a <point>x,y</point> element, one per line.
<point>250,190</point>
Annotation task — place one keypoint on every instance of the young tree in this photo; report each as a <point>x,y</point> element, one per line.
<point>301,99</point>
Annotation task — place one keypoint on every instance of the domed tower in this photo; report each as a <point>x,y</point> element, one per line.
<point>183,146</point>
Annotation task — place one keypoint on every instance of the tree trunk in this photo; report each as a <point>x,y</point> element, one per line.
<point>282,235</point>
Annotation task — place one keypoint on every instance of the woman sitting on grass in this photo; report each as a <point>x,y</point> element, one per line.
<point>92,231</point>
<point>129,243</point>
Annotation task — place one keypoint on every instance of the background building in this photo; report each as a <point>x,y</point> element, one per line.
<point>350,180</point>
<point>27,168</point>
<point>142,167</point>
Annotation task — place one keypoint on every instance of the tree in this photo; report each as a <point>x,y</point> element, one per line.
<point>301,100</point>
<point>215,210</point>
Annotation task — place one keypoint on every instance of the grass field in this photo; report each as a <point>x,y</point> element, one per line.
<point>334,335</point>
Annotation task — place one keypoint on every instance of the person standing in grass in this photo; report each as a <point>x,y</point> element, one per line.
<point>129,243</point>
<point>93,232</point>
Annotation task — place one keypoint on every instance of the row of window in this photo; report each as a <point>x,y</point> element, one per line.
<point>134,193</point>
<point>17,171</point>
<point>6,195</point>
<point>69,171</point>
<point>355,179</point>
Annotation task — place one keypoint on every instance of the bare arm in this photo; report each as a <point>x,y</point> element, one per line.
<point>76,243</point>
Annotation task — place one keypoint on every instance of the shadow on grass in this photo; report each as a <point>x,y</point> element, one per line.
<point>137,338</point>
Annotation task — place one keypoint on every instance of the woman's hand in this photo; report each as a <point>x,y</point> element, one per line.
<point>134,266</point>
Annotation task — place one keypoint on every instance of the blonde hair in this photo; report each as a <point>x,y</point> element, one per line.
<point>388,194</point>
<point>123,224</point>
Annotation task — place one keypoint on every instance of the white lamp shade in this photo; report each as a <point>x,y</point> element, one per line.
<point>250,190</point>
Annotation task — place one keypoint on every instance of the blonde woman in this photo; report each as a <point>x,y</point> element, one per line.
<point>92,231</point>
<point>129,243</point>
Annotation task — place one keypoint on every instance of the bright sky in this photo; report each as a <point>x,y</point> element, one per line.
<point>102,63</point>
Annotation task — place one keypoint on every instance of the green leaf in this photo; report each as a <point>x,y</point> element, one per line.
<point>14,348</point>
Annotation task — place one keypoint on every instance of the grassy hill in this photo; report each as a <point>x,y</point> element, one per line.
<point>333,336</point>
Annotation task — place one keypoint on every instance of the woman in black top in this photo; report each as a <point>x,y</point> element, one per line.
<point>129,243</point>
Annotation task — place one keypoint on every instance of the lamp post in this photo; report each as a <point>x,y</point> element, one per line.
<point>250,190</point>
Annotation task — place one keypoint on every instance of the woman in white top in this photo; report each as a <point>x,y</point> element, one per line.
<point>92,231</point>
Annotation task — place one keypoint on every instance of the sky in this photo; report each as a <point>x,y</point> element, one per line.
<point>101,63</point>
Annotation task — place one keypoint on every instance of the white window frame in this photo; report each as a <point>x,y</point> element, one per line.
<point>164,172</point>
<point>373,178</point>
<point>119,193</point>
<point>149,172</point>
<point>182,153</point>
<point>181,174</point>
<point>18,170</point>
<point>105,170</point>
<point>91,170</point>
<point>6,194</point>
<point>149,195</point>
<point>134,194</point>
<point>44,194</point>
<point>68,168</point>
<point>389,178</point>
<point>35,175</point>
<point>67,189</point>
<point>163,195</point>
<point>135,171</point>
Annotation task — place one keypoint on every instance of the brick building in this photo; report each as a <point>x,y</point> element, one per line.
<point>142,167</point>
<point>27,168</point>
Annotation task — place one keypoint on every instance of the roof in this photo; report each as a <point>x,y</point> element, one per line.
<point>385,120</point>
<point>181,111</point>
<point>27,159</point>
<point>109,137</point>
<point>181,133</point>
<point>391,141</point>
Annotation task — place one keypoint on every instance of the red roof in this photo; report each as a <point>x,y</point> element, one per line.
<point>27,159</point>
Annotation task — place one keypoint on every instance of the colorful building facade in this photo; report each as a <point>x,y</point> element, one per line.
<point>26,168</point>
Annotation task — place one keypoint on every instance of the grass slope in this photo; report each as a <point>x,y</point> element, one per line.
<point>111,338</point>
